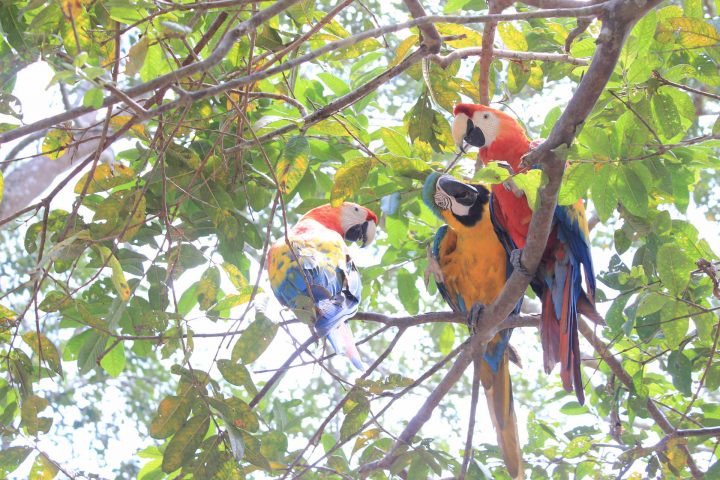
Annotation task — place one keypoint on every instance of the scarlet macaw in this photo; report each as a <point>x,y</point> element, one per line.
<point>470,267</point>
<point>314,263</point>
<point>557,281</point>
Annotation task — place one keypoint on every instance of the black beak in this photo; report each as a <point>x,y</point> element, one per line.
<point>463,193</point>
<point>473,135</point>
<point>357,233</point>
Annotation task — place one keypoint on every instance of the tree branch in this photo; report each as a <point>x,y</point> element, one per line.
<point>619,17</point>
<point>615,366</point>
<point>225,44</point>
<point>445,60</point>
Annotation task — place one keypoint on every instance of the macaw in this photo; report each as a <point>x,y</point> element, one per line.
<point>470,267</point>
<point>558,281</point>
<point>313,262</point>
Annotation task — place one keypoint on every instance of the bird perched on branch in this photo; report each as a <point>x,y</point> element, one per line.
<point>558,280</point>
<point>313,263</point>
<point>470,268</point>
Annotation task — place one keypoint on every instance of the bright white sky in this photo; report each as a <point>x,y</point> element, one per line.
<point>39,102</point>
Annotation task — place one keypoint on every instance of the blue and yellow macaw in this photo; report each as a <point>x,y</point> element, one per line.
<point>558,280</point>
<point>314,263</point>
<point>470,267</point>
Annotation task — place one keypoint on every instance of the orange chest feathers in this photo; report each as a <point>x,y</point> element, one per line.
<point>473,262</point>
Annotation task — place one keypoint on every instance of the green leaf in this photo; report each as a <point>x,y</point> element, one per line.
<point>631,191</point>
<point>293,163</point>
<point>666,115</point>
<point>577,446</point>
<point>31,420</point>
<point>395,142</point>
<point>171,415</point>
<point>11,458</point>
<point>577,179</point>
<point>674,267</point>
<point>603,193</point>
<point>353,421</point>
<point>93,98</point>
<point>114,361</point>
<point>680,368</point>
<point>254,340</point>
<point>274,445</point>
<point>184,443</point>
<point>446,340</point>
<point>348,179</point>
<point>530,183</point>
<point>408,294</point>
<point>491,174</point>
<point>237,374</point>
<point>674,323</point>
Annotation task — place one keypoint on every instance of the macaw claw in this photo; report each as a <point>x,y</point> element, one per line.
<point>511,186</point>
<point>474,317</point>
<point>434,268</point>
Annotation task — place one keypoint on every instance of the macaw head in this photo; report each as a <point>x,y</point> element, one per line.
<point>498,135</point>
<point>354,222</point>
<point>451,199</point>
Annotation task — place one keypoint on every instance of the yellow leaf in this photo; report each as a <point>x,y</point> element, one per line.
<point>120,120</point>
<point>348,179</point>
<point>2,185</point>
<point>118,276</point>
<point>208,287</point>
<point>136,56</point>
<point>403,49</point>
<point>694,32</point>
<point>511,37</point>
<point>235,275</point>
<point>72,8</point>
<point>293,164</point>
<point>471,38</point>
<point>56,143</point>
<point>104,178</point>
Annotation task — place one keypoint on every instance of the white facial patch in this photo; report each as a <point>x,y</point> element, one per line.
<point>446,201</point>
<point>351,215</point>
<point>488,123</point>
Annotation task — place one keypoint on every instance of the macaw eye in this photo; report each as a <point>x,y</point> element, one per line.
<point>357,209</point>
<point>486,116</point>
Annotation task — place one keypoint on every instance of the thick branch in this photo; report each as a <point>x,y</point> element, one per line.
<point>619,16</point>
<point>431,37</point>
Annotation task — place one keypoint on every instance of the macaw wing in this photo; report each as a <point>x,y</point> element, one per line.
<point>444,244</point>
<point>508,244</point>
<point>572,230</point>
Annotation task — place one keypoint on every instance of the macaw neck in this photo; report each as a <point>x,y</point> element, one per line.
<point>506,149</point>
<point>469,233</point>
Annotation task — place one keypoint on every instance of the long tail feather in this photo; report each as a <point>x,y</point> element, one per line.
<point>587,309</point>
<point>498,392</point>
<point>549,333</point>
<point>342,341</point>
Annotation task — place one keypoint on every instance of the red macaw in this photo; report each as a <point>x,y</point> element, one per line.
<point>470,267</point>
<point>314,263</point>
<point>558,281</point>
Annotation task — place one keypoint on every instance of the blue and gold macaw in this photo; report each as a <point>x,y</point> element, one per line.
<point>470,267</point>
<point>314,263</point>
<point>558,281</point>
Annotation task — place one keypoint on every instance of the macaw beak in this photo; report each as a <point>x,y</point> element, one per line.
<point>473,135</point>
<point>463,193</point>
<point>362,232</point>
